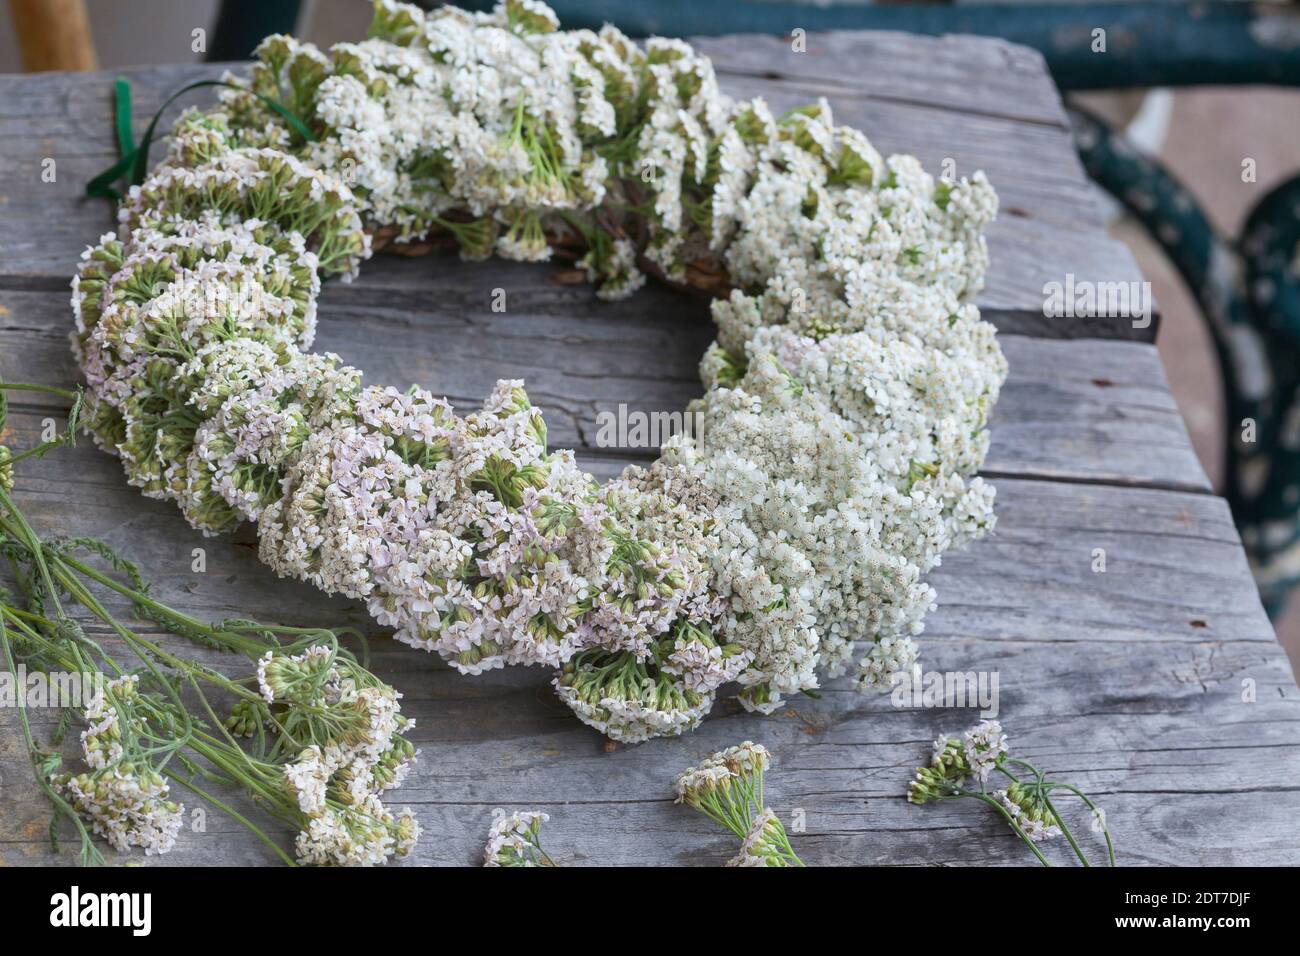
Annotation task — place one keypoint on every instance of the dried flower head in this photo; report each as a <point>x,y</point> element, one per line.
<point>727,787</point>
<point>6,469</point>
<point>515,840</point>
<point>984,746</point>
<point>1030,811</point>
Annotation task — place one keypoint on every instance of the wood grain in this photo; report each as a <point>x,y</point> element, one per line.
<point>1050,224</point>
<point>966,74</point>
<point>1128,683</point>
<point>1088,409</point>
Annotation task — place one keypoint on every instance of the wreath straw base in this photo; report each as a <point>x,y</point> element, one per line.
<point>847,392</point>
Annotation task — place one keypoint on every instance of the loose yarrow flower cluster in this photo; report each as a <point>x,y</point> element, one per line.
<point>323,737</point>
<point>728,789</point>
<point>123,795</point>
<point>1025,803</point>
<point>6,469</point>
<point>330,790</point>
<point>357,752</point>
<point>848,389</point>
<point>515,840</point>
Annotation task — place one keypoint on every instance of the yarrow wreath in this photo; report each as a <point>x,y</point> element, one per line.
<point>847,392</point>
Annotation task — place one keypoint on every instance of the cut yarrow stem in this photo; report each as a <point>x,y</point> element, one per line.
<point>1024,801</point>
<point>312,737</point>
<point>728,789</point>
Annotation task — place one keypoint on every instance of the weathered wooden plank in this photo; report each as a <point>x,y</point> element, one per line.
<point>1175,569</point>
<point>1174,564</point>
<point>963,73</point>
<point>1129,682</point>
<point>1050,224</point>
<point>1088,409</point>
<point>501,740</point>
<point>1152,721</point>
<point>1165,829</point>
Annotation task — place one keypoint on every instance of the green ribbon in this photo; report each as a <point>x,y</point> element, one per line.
<point>135,158</point>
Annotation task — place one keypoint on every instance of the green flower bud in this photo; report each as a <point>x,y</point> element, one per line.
<point>6,469</point>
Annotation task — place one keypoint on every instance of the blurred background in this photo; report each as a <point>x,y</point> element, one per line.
<point>1224,86</point>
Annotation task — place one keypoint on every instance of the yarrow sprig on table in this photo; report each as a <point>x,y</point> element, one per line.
<point>1025,802</point>
<point>728,789</point>
<point>325,736</point>
<point>847,392</point>
<point>516,840</point>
